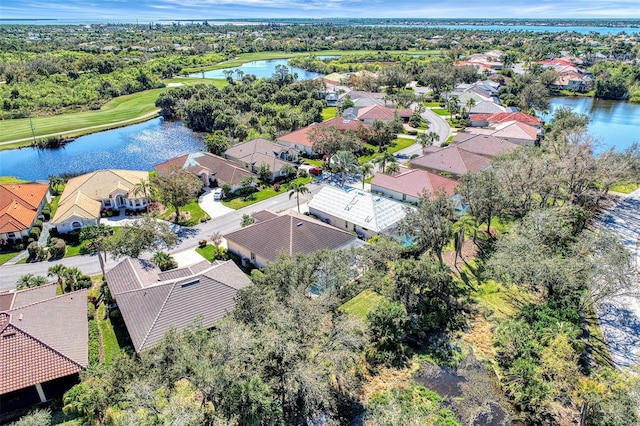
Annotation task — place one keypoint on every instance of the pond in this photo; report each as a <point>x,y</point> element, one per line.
<point>616,124</point>
<point>261,69</point>
<point>136,147</point>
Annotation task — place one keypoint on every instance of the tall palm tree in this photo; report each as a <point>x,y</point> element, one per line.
<point>470,104</point>
<point>297,188</point>
<point>345,162</point>
<point>366,170</point>
<point>143,187</point>
<point>393,168</point>
<point>58,270</point>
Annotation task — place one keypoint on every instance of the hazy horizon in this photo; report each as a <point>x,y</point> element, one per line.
<point>309,9</point>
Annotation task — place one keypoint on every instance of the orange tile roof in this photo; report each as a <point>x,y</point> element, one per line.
<point>19,205</point>
<point>502,117</point>
<point>452,160</point>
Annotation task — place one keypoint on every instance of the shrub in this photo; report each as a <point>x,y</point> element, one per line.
<point>34,250</point>
<point>57,247</point>
<point>302,173</point>
<point>38,224</point>
<point>94,342</point>
<point>91,311</point>
<point>276,187</point>
<point>34,233</point>
<point>202,243</point>
<point>46,211</point>
<point>165,262</point>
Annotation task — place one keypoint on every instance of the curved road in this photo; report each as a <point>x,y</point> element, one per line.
<point>90,265</point>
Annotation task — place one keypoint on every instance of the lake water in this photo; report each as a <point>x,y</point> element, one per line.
<point>261,69</point>
<point>615,124</point>
<point>135,147</point>
<point>521,28</point>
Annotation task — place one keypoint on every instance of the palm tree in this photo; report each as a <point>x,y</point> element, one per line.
<point>297,188</point>
<point>345,162</point>
<point>366,170</point>
<point>72,276</point>
<point>143,187</point>
<point>30,280</point>
<point>470,104</point>
<point>58,270</point>
<point>385,158</point>
<point>393,168</point>
<point>452,105</point>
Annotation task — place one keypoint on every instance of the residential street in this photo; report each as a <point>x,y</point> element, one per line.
<point>90,265</point>
<point>620,317</point>
<point>437,124</point>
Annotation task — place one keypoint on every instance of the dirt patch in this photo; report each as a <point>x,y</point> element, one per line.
<point>481,337</point>
<point>469,251</point>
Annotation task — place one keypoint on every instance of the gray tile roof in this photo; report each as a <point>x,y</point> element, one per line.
<point>150,310</point>
<point>33,295</point>
<point>131,274</point>
<point>290,234</point>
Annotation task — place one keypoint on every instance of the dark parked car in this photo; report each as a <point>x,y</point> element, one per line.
<point>316,171</point>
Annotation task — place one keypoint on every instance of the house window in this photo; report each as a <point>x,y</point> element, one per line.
<point>107,203</point>
<point>11,235</point>
<point>253,257</point>
<point>346,224</point>
<point>404,197</point>
<point>76,225</point>
<point>137,203</point>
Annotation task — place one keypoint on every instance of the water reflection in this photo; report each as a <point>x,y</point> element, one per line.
<point>135,147</point>
<point>261,69</point>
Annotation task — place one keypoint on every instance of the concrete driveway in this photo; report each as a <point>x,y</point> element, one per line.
<point>214,208</point>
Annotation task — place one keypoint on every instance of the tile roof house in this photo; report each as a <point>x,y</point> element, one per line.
<point>212,169</point>
<point>376,112</point>
<point>410,184</point>
<point>484,120</point>
<point>486,107</point>
<point>299,139</point>
<point>85,196</point>
<point>253,153</point>
<point>512,131</point>
<point>355,210</point>
<point>152,302</point>
<point>289,234</point>
<point>20,206</point>
<point>486,145</point>
<point>43,344</point>
<point>451,160</point>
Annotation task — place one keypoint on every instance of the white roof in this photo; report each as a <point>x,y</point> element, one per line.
<point>359,207</point>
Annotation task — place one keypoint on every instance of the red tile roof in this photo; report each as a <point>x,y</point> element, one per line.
<point>301,136</point>
<point>43,341</point>
<point>19,205</point>
<point>414,182</point>
<point>503,117</point>
<point>451,160</point>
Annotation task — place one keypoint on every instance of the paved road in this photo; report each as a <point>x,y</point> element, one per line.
<point>148,115</point>
<point>620,316</point>
<point>90,265</point>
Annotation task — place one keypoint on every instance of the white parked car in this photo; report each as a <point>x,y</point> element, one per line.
<point>217,193</point>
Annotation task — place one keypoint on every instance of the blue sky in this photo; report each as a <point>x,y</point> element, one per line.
<point>223,9</point>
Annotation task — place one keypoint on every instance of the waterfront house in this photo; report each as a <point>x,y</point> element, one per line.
<point>211,169</point>
<point>451,161</point>
<point>288,234</point>
<point>20,207</point>
<point>356,210</point>
<point>43,344</point>
<point>153,302</point>
<point>253,153</point>
<point>86,196</point>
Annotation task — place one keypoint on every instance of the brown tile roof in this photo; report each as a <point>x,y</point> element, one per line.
<point>19,205</point>
<point>486,145</point>
<point>377,112</point>
<point>263,215</point>
<point>131,274</point>
<point>290,233</point>
<point>151,309</point>
<point>301,136</point>
<point>254,151</point>
<point>218,167</point>
<point>33,295</point>
<point>414,182</point>
<point>43,341</point>
<point>502,117</point>
<point>516,130</point>
<point>452,160</point>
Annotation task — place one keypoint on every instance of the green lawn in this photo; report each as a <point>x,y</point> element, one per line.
<point>399,144</point>
<point>206,251</point>
<point>328,113</point>
<point>625,188</point>
<point>360,305</point>
<point>244,201</point>
<point>11,180</point>
<point>6,256</point>
<point>261,56</point>
<point>197,214</point>
<point>316,163</point>
<point>110,343</point>
<point>441,111</point>
<point>432,104</point>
